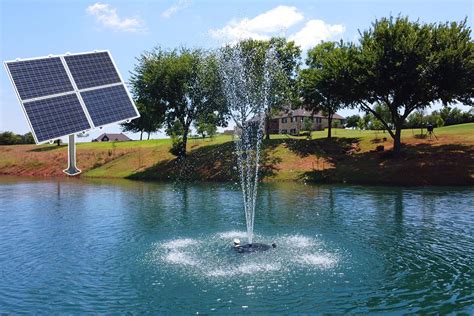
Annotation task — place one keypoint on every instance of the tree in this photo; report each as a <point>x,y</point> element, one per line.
<point>407,66</point>
<point>184,85</point>
<point>351,121</point>
<point>27,138</point>
<point>321,84</point>
<point>367,120</point>
<point>150,120</point>
<point>9,138</point>
<point>453,116</point>
<point>416,120</point>
<point>205,127</point>
<point>284,89</point>
<point>307,126</point>
<point>435,119</point>
<point>361,124</point>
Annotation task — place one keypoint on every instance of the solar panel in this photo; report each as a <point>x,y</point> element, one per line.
<point>108,105</point>
<point>92,70</point>
<point>55,117</point>
<point>67,94</point>
<point>39,77</point>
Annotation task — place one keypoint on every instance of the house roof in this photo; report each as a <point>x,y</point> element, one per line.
<point>297,112</point>
<point>303,112</point>
<point>112,137</point>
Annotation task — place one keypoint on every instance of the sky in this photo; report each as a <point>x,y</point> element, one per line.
<point>128,28</point>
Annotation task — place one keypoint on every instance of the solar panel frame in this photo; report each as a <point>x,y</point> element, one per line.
<point>76,91</point>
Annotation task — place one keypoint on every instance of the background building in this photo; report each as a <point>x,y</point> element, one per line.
<point>107,137</point>
<point>292,121</point>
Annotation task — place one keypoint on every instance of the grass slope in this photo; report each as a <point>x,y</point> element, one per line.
<point>349,157</point>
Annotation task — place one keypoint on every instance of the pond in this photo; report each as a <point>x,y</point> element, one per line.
<point>75,246</point>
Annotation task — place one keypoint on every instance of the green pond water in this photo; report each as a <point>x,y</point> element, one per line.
<point>77,246</point>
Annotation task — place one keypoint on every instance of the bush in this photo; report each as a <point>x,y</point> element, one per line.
<point>176,146</point>
<point>175,132</point>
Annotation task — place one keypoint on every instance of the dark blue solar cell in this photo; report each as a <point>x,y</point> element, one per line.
<point>39,77</point>
<point>108,105</point>
<point>55,117</point>
<point>92,70</point>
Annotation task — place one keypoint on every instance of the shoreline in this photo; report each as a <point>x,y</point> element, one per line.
<point>151,180</point>
<point>348,158</point>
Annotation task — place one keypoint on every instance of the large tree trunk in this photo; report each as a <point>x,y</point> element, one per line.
<point>184,141</point>
<point>397,142</point>
<point>141,135</point>
<point>148,138</point>
<point>329,125</point>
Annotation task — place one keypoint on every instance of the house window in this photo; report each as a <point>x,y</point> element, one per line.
<point>292,131</point>
<point>318,120</point>
<point>291,119</point>
<point>283,131</point>
<point>284,120</point>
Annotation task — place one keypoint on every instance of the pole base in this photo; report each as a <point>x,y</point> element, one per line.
<point>72,171</point>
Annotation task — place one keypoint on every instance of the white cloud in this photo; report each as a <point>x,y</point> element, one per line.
<point>107,16</point>
<point>316,31</point>
<point>180,5</point>
<point>276,20</point>
<point>260,27</point>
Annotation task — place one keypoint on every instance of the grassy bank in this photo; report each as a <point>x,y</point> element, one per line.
<point>350,158</point>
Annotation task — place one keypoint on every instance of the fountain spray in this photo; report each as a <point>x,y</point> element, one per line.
<point>247,86</point>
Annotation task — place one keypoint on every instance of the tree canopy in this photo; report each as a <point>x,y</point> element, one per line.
<point>150,120</point>
<point>323,84</point>
<point>406,65</point>
<point>182,84</point>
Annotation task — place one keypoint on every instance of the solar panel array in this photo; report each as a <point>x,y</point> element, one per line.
<point>67,94</point>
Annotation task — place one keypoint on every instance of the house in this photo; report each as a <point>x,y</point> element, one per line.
<point>292,121</point>
<point>228,132</point>
<point>107,137</point>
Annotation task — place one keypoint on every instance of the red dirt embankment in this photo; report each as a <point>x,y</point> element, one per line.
<point>449,160</point>
<point>31,160</point>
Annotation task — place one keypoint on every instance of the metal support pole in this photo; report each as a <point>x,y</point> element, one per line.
<point>72,170</point>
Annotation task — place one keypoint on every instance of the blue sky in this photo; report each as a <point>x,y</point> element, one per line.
<point>127,28</point>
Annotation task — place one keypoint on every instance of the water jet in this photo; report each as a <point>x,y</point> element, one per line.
<point>248,84</point>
